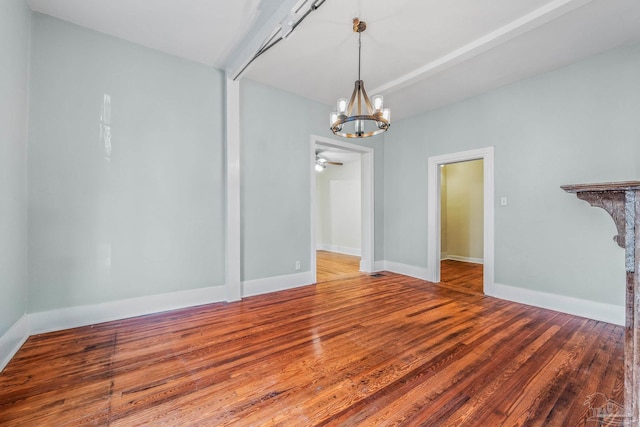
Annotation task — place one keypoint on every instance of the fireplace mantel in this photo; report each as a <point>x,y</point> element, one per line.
<point>622,201</point>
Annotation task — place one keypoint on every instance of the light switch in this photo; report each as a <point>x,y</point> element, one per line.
<point>503,201</point>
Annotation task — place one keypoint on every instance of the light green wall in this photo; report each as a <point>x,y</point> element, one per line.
<point>15,21</point>
<point>276,128</point>
<point>151,218</point>
<point>140,212</point>
<point>275,200</point>
<point>126,172</point>
<point>462,204</point>
<point>576,124</point>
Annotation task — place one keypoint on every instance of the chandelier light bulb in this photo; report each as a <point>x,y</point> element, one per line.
<point>342,106</point>
<point>377,102</point>
<point>333,117</point>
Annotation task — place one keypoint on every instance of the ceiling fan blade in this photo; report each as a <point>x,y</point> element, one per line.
<point>335,163</point>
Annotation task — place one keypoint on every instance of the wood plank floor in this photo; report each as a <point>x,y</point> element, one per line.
<point>332,266</point>
<point>462,276</point>
<point>370,351</point>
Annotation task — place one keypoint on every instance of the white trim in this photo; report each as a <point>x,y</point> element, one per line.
<point>367,208</point>
<point>12,340</point>
<point>232,285</point>
<point>340,249</point>
<point>274,284</point>
<point>464,259</point>
<point>407,270</point>
<point>367,252</point>
<point>578,307</point>
<point>433,211</point>
<point>509,31</point>
<point>379,266</point>
<point>72,317</point>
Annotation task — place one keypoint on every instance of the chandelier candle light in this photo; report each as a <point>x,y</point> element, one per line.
<point>360,125</point>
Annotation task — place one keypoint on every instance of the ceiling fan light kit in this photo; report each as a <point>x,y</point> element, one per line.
<point>321,163</point>
<point>371,120</point>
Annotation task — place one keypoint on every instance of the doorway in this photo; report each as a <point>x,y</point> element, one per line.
<point>434,212</point>
<point>366,221</point>
<point>338,213</point>
<point>461,225</point>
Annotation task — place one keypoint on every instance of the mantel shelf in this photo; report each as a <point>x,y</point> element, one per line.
<point>602,187</point>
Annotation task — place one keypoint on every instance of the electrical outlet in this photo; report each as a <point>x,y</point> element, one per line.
<point>503,201</point>
<point>297,265</point>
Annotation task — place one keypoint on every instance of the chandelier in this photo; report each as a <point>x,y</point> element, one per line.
<point>371,120</point>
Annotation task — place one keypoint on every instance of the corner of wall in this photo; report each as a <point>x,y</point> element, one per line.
<point>407,270</point>
<point>275,284</point>
<point>12,340</point>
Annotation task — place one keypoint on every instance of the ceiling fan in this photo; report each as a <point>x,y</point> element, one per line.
<point>321,162</point>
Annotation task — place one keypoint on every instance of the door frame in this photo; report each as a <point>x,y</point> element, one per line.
<point>434,209</point>
<point>366,199</point>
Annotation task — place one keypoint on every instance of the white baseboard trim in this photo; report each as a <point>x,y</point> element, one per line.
<point>340,249</point>
<point>12,340</point>
<point>579,307</point>
<point>274,284</point>
<point>378,266</point>
<point>464,259</point>
<point>407,270</point>
<point>73,317</point>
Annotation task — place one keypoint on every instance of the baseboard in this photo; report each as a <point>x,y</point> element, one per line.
<point>340,249</point>
<point>378,266</point>
<point>73,317</point>
<point>464,259</point>
<point>579,307</point>
<point>274,284</point>
<point>407,270</point>
<point>443,256</point>
<point>12,340</point>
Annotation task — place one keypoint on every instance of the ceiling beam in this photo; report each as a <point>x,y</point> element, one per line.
<point>528,22</point>
<point>244,52</point>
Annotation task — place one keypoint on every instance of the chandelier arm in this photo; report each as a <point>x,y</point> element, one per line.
<point>366,100</point>
<point>359,84</point>
<point>356,90</point>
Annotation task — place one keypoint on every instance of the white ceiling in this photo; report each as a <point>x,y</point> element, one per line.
<point>421,54</point>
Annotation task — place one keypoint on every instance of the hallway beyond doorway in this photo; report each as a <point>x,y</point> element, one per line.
<point>333,265</point>
<point>461,276</point>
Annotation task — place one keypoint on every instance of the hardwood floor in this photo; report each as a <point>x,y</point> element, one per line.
<point>462,276</point>
<point>370,351</point>
<point>332,266</point>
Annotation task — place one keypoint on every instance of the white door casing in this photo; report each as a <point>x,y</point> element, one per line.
<point>367,199</point>
<point>433,212</point>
